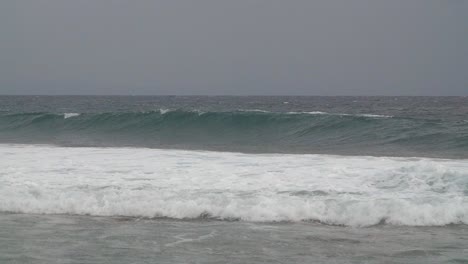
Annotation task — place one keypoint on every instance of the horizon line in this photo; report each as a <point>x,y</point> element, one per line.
<point>228,95</point>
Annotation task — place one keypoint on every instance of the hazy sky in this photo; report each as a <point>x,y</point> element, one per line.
<point>241,47</point>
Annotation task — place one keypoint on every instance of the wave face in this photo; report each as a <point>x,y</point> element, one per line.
<point>245,131</point>
<point>137,182</point>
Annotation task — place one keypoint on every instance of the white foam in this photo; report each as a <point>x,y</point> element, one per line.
<point>163,111</point>
<point>355,191</point>
<point>375,116</point>
<point>309,113</point>
<point>341,114</point>
<point>362,115</point>
<point>255,110</point>
<point>70,115</point>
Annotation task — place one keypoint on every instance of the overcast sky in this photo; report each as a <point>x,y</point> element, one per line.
<point>241,47</point>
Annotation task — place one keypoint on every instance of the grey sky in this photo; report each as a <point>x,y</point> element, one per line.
<point>242,47</point>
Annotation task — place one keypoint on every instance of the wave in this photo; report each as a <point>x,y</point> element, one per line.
<point>336,190</point>
<point>244,130</point>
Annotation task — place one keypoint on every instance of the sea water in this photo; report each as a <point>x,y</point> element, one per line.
<point>234,179</point>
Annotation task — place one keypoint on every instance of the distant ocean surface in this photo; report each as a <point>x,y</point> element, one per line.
<point>176,179</point>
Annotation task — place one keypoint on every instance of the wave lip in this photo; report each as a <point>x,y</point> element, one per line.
<point>337,190</point>
<point>70,115</point>
<point>341,114</point>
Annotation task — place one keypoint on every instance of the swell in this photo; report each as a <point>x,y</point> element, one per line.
<point>245,131</point>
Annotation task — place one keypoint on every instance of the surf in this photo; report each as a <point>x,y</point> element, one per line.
<point>152,183</point>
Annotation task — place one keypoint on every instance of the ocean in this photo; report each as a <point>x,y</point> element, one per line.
<point>187,179</point>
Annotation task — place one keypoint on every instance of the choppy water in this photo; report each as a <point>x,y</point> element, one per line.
<point>241,179</point>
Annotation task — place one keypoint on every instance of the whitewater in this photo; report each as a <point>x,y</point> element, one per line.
<point>356,191</point>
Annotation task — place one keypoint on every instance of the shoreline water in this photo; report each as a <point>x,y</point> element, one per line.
<point>82,239</point>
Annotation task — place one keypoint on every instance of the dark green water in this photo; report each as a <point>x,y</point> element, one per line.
<point>383,126</point>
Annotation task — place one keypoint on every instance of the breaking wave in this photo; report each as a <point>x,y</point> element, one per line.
<point>246,131</point>
<point>136,182</point>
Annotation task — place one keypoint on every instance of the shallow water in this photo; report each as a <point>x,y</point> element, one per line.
<point>79,239</point>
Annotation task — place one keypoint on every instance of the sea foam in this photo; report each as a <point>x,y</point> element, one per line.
<point>338,190</point>
<point>70,115</point>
